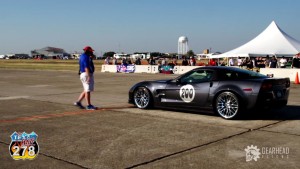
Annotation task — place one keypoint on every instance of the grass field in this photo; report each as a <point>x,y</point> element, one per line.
<point>47,64</point>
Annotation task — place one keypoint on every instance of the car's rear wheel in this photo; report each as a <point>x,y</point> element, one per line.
<point>227,105</point>
<point>142,98</point>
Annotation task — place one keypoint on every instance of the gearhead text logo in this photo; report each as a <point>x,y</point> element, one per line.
<point>254,153</point>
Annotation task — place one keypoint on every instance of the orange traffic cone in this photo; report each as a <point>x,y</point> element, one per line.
<point>297,79</point>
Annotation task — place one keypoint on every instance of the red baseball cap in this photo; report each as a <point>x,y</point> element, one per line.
<point>88,48</point>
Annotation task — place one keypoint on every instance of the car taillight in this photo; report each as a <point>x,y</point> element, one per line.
<point>266,86</point>
<point>247,89</point>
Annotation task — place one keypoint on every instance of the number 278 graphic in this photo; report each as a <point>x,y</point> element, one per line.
<point>23,146</point>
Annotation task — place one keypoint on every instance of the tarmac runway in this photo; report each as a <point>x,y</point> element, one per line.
<point>117,135</point>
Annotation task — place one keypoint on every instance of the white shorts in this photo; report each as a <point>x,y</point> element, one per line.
<point>88,87</point>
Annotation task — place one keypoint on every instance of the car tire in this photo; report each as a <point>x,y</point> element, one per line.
<point>227,105</point>
<point>142,98</point>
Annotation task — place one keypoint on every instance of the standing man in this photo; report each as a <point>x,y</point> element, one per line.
<point>86,70</point>
<point>282,62</point>
<point>185,62</point>
<point>296,61</point>
<point>240,61</point>
<point>273,62</point>
<point>138,61</point>
<point>151,61</point>
<point>192,61</point>
<point>106,61</point>
<point>231,62</point>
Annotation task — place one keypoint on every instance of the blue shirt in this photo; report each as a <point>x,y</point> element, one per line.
<point>86,62</point>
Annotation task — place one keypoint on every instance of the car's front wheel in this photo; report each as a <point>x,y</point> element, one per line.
<point>142,98</point>
<point>227,105</point>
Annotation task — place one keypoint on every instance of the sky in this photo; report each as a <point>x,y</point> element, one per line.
<point>140,25</point>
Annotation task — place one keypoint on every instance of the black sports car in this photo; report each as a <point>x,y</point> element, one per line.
<point>227,90</point>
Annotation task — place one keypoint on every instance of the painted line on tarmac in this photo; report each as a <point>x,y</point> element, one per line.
<point>199,146</point>
<point>64,114</point>
<point>13,97</point>
<point>40,85</point>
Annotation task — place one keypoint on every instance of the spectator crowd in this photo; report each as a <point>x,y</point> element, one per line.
<point>244,62</point>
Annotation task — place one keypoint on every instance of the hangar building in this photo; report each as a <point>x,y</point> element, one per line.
<point>50,52</point>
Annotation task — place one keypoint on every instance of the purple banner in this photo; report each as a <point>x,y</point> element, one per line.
<point>126,68</point>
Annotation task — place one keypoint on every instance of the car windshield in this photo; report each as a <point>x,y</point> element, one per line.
<point>197,76</point>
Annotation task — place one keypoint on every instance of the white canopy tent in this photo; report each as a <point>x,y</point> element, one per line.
<point>272,41</point>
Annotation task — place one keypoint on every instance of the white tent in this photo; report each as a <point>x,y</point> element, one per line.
<point>272,41</point>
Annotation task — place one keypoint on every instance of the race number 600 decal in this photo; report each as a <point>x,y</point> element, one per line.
<point>23,146</point>
<point>187,93</point>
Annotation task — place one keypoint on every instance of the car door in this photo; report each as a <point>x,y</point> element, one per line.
<point>190,90</point>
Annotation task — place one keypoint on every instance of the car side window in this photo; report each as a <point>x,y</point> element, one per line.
<point>232,75</point>
<point>197,76</point>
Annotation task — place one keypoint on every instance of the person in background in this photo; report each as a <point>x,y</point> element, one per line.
<point>212,62</point>
<point>273,62</point>
<point>222,63</point>
<point>124,61</point>
<point>163,62</point>
<point>173,63</point>
<point>185,62</point>
<point>129,61</point>
<point>192,61</point>
<point>256,62</point>
<point>240,61</point>
<point>138,61</point>
<point>106,61</point>
<point>86,70</point>
<point>249,63</point>
<point>152,61</point>
<point>231,62</point>
<point>282,62</point>
<point>296,61</point>
<point>267,61</point>
<point>114,61</point>
<point>167,61</point>
<point>253,60</point>
<point>260,63</point>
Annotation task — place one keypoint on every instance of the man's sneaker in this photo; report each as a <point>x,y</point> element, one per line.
<point>78,104</point>
<point>90,107</point>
